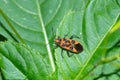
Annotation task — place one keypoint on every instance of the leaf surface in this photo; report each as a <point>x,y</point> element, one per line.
<point>37,21</point>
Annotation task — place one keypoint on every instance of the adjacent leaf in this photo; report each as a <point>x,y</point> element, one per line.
<point>21,62</point>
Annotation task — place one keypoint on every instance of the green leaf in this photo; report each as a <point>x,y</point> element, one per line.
<point>35,22</point>
<point>97,19</point>
<point>20,62</point>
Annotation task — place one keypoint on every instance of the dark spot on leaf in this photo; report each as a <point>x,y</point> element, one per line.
<point>2,38</point>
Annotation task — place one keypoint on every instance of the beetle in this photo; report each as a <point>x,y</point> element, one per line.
<point>69,45</point>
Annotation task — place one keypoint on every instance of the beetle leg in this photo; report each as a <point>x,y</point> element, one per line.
<point>58,37</point>
<point>69,54</point>
<point>53,32</point>
<point>55,47</point>
<point>74,36</point>
<point>62,53</point>
<point>65,35</point>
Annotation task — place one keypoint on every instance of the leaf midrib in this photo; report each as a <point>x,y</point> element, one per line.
<point>45,36</point>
